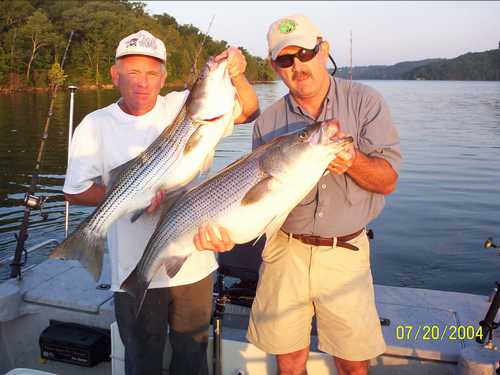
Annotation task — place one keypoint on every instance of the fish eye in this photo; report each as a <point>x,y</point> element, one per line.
<point>302,135</point>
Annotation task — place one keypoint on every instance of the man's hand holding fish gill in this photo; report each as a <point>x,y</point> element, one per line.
<point>345,158</point>
<point>236,66</point>
<point>155,202</point>
<point>236,62</point>
<point>208,239</point>
<point>370,173</point>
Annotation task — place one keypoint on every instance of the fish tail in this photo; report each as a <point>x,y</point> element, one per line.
<point>85,246</point>
<point>137,287</point>
<point>173,264</point>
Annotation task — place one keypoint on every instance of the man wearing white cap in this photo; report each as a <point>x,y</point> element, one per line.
<point>113,135</point>
<point>319,263</point>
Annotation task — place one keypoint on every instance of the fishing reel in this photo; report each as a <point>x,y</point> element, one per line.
<point>489,244</point>
<point>488,324</point>
<point>36,203</point>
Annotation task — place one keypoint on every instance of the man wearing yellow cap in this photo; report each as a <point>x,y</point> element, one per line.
<point>319,263</point>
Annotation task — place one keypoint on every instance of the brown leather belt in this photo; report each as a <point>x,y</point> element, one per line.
<point>342,241</point>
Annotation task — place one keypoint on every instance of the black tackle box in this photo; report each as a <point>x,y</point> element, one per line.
<point>75,343</point>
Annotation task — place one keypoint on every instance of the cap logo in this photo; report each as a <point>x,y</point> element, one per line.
<point>142,41</point>
<point>287,26</point>
<point>132,42</point>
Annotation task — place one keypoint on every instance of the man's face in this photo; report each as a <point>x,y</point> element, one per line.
<point>304,79</point>
<point>139,79</point>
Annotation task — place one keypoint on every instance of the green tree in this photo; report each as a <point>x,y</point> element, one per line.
<point>4,65</point>
<point>39,31</point>
<point>12,15</point>
<point>34,33</point>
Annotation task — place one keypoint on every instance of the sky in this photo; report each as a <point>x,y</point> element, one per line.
<point>383,33</point>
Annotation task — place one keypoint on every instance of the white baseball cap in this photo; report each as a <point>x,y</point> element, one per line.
<point>142,43</point>
<point>294,30</point>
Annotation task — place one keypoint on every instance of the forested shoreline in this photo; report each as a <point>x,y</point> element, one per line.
<point>34,35</point>
<point>472,66</point>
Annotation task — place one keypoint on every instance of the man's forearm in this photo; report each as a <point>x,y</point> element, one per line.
<point>93,196</point>
<point>248,100</point>
<point>373,174</point>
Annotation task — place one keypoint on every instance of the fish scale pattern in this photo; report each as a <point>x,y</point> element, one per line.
<point>202,203</point>
<point>152,164</point>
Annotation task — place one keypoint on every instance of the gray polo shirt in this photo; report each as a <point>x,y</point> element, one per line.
<point>337,206</point>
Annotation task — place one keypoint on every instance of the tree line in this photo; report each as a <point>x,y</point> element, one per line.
<point>477,66</point>
<point>34,35</point>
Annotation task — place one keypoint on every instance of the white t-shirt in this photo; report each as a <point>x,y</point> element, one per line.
<point>105,139</point>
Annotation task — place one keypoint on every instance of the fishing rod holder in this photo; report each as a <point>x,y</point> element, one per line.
<point>224,296</point>
<point>35,203</point>
<point>488,324</point>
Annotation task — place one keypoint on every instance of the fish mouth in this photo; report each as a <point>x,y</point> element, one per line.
<point>344,141</point>
<point>214,118</point>
<point>212,64</point>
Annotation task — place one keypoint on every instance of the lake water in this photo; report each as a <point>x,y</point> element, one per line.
<point>430,233</point>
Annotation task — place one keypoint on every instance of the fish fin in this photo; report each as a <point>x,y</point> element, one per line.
<point>137,287</point>
<point>234,115</point>
<point>174,264</point>
<point>271,228</point>
<point>258,238</point>
<point>193,141</point>
<point>137,214</point>
<point>170,199</point>
<point>85,247</point>
<point>115,173</point>
<point>229,130</point>
<point>207,164</point>
<point>274,225</point>
<point>258,191</point>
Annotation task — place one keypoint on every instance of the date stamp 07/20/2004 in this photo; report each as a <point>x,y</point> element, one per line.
<point>436,332</point>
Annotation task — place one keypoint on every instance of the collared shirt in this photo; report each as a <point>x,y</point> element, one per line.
<point>337,206</point>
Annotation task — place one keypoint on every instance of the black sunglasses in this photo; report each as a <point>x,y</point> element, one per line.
<point>304,55</point>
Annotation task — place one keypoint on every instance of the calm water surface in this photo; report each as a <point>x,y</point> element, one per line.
<point>431,231</point>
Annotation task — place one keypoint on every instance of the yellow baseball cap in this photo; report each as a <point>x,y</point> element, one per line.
<point>294,30</point>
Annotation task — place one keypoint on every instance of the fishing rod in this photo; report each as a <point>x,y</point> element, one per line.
<point>194,70</point>
<point>488,324</point>
<point>31,201</point>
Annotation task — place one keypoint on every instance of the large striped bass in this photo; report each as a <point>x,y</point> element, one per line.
<point>250,197</point>
<point>175,158</point>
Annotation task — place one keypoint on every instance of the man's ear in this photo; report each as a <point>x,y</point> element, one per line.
<point>115,77</point>
<point>273,65</point>
<point>325,50</point>
<point>164,80</point>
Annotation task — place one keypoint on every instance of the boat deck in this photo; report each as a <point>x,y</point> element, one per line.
<point>423,335</point>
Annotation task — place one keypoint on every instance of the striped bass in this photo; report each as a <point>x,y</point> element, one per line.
<point>250,197</point>
<point>174,159</point>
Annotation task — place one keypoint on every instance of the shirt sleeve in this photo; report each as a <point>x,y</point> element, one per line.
<point>256,134</point>
<point>378,136</point>
<point>85,162</point>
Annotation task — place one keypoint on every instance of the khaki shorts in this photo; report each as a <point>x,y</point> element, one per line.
<point>298,281</point>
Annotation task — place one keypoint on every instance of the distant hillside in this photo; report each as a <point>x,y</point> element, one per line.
<point>480,66</point>
<point>384,71</point>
